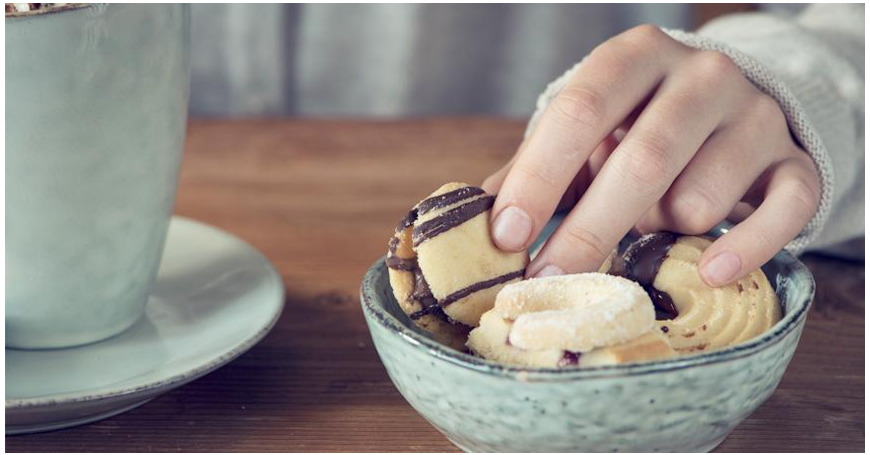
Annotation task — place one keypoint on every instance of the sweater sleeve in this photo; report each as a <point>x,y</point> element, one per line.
<point>813,66</point>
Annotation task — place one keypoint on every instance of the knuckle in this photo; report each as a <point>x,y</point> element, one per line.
<point>805,191</point>
<point>580,105</point>
<point>637,43</point>
<point>647,163</point>
<point>587,240</point>
<point>645,35</point>
<point>712,68</point>
<point>697,212</point>
<point>765,111</point>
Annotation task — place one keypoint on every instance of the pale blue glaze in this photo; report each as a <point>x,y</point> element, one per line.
<point>684,404</point>
<point>214,298</point>
<point>95,122</point>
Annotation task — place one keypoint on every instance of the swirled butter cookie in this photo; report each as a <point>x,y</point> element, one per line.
<point>586,319</point>
<point>694,316</point>
<point>444,268</point>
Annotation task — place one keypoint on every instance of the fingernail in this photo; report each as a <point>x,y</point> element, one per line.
<point>550,270</point>
<point>512,229</point>
<point>721,269</point>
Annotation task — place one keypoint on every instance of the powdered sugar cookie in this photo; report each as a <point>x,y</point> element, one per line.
<point>575,312</point>
<point>585,319</point>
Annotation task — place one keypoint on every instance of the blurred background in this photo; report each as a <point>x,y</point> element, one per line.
<point>390,60</point>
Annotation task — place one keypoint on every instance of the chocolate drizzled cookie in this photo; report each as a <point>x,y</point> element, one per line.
<point>704,318</point>
<point>444,268</point>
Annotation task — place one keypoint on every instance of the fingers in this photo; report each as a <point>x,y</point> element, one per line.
<point>791,198</point>
<point>667,134</point>
<point>741,211</point>
<point>587,174</point>
<point>712,184</point>
<point>702,145</point>
<point>493,183</point>
<point>593,165</point>
<point>600,95</point>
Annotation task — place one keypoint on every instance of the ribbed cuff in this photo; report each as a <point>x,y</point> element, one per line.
<point>795,113</point>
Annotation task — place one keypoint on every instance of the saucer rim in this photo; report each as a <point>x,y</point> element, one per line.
<point>155,388</point>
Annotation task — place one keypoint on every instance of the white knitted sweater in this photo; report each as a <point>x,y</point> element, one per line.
<point>813,65</point>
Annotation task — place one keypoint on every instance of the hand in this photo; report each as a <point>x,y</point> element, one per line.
<point>652,134</point>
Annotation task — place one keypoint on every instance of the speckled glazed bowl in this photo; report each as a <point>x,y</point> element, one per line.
<point>686,404</point>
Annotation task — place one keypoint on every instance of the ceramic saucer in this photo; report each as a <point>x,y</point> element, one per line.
<point>215,297</point>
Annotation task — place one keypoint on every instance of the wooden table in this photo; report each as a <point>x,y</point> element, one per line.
<point>320,199</point>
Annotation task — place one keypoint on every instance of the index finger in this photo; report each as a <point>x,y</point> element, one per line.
<point>678,120</point>
<point>596,99</point>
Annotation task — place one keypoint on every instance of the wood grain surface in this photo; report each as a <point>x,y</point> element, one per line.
<point>320,199</point>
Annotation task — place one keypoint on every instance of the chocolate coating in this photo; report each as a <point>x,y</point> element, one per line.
<point>450,219</point>
<point>421,293</point>
<point>397,263</point>
<point>642,261</point>
<point>407,221</point>
<point>394,245</point>
<point>446,199</point>
<point>481,285</point>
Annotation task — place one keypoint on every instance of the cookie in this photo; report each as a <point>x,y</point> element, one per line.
<point>584,319</point>
<point>548,322</point>
<point>694,316</point>
<point>650,346</point>
<point>413,294</point>
<point>444,268</point>
<point>490,341</point>
<point>575,312</point>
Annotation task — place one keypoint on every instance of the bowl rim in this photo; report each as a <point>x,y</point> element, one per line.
<point>790,321</point>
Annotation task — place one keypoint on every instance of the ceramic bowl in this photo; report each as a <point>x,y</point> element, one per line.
<point>686,404</point>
